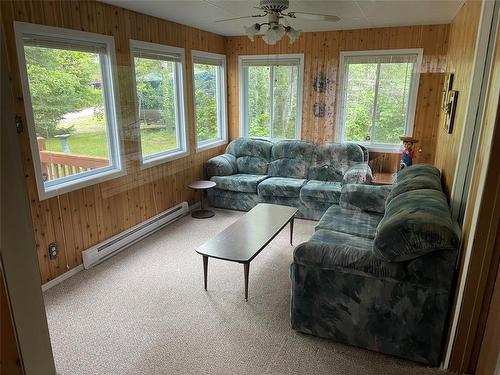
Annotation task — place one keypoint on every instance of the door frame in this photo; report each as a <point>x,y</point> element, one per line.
<point>17,243</point>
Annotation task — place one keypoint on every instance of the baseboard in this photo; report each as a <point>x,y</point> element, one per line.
<point>61,278</point>
<point>80,267</point>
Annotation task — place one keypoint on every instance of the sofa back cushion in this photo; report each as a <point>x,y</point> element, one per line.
<point>415,223</point>
<point>252,154</point>
<point>418,181</point>
<point>332,160</point>
<point>415,170</point>
<point>290,159</point>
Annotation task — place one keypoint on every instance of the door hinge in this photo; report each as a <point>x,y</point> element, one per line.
<point>19,124</point>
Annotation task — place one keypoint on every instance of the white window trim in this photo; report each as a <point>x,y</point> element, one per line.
<point>183,151</point>
<point>243,92</point>
<point>412,104</point>
<point>115,141</point>
<point>221,100</point>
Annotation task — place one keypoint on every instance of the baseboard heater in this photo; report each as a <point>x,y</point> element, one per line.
<point>106,249</point>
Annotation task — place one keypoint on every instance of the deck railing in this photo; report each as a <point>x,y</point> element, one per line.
<point>59,164</point>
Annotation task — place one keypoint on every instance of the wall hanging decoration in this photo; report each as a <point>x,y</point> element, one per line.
<point>451,108</point>
<point>319,109</point>
<point>321,82</point>
<point>447,86</point>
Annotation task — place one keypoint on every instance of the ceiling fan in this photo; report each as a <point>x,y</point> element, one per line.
<point>275,10</point>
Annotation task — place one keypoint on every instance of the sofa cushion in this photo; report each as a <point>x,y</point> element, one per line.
<point>417,170</point>
<point>335,250</point>
<point>416,223</point>
<point>252,165</point>
<point>331,161</point>
<point>252,154</point>
<point>357,223</point>
<point>358,174</point>
<point>281,187</point>
<point>245,183</point>
<point>222,165</point>
<point>370,198</point>
<point>416,182</point>
<point>290,159</point>
<point>325,173</point>
<point>323,191</point>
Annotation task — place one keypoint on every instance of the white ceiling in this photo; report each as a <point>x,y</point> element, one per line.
<point>354,14</point>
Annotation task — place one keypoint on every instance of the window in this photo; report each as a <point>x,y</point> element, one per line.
<point>378,96</point>
<point>159,87</point>
<point>209,85</point>
<point>271,96</point>
<point>69,97</point>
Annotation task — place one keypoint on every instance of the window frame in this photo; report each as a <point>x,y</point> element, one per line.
<point>412,100</point>
<point>243,89</point>
<point>220,61</point>
<point>180,98</point>
<point>111,96</point>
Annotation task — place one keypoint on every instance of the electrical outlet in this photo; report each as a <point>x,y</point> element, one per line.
<point>53,250</point>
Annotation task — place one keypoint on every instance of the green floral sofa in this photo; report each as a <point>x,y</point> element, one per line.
<point>379,269</point>
<point>293,173</point>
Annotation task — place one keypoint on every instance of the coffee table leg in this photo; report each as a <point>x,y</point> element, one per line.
<point>291,230</point>
<point>205,270</point>
<point>246,268</point>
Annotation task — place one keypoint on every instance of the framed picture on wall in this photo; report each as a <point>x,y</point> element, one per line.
<point>451,108</point>
<point>447,86</point>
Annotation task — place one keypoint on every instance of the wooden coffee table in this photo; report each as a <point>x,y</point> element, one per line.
<point>244,240</point>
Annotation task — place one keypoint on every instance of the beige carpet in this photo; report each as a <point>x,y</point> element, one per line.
<point>144,311</point>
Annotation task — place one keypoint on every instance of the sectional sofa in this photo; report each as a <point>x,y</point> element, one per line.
<point>293,173</point>
<point>378,271</point>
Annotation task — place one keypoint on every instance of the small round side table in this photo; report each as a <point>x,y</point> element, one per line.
<point>202,213</point>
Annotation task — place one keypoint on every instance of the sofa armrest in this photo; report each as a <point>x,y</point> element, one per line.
<point>358,174</point>
<point>222,165</point>
<point>369,198</point>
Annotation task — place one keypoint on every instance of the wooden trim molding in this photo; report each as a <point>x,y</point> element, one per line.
<point>481,252</point>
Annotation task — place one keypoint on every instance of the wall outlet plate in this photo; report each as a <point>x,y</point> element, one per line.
<point>53,251</point>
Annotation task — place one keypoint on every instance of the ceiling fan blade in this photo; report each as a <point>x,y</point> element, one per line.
<point>238,18</point>
<point>314,16</point>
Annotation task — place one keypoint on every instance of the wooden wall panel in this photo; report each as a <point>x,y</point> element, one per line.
<point>460,60</point>
<point>321,54</point>
<point>82,218</point>
<point>480,234</point>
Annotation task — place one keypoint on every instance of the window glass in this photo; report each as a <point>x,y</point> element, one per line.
<point>377,98</point>
<point>157,105</point>
<point>271,93</point>
<point>67,79</point>
<point>205,86</point>
<point>209,98</point>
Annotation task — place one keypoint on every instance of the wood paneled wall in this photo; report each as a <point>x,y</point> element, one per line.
<point>80,219</point>
<point>321,55</point>
<point>460,60</point>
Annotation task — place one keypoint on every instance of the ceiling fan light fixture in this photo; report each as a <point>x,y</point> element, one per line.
<point>275,11</point>
<point>252,30</point>
<point>292,34</point>
<point>274,34</point>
